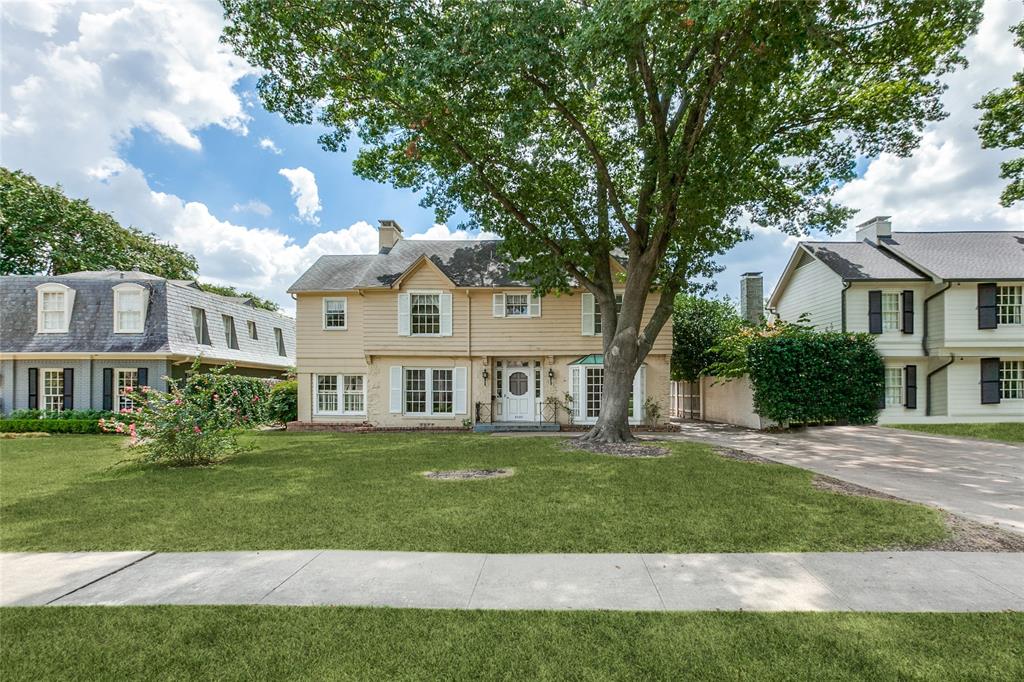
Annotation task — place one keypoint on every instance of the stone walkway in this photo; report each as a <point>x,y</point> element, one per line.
<point>868,581</point>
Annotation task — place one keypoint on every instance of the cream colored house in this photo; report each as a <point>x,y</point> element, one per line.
<point>946,309</point>
<point>442,333</point>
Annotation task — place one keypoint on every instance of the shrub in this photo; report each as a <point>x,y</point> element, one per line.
<point>247,398</point>
<point>284,402</point>
<point>49,426</point>
<point>698,326</point>
<point>63,414</point>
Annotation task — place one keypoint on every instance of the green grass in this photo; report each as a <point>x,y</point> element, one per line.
<point>276,643</point>
<point>1011,432</point>
<point>324,491</point>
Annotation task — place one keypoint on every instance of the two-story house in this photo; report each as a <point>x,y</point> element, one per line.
<point>945,309</point>
<point>77,341</point>
<point>434,333</point>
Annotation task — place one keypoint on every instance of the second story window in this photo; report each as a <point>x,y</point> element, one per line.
<point>130,302</point>
<point>252,331</point>
<point>890,311</point>
<point>425,310</point>
<point>597,313</point>
<point>1009,304</point>
<point>201,331</point>
<point>279,339</point>
<point>335,313</point>
<point>54,303</point>
<point>517,305</point>
<point>230,337</point>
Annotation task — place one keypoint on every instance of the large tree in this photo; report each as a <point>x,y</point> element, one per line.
<point>45,232</point>
<point>1002,126</point>
<point>576,130</point>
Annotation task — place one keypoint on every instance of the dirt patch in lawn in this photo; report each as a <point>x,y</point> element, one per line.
<point>730,453</point>
<point>468,474</point>
<point>635,449</point>
<point>966,535</point>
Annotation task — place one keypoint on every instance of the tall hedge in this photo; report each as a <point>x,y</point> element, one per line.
<point>816,377</point>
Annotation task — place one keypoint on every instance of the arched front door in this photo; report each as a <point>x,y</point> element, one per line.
<point>518,395</point>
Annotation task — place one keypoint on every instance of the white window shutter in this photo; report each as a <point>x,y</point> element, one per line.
<point>396,389</point>
<point>460,390</point>
<point>639,393</point>
<point>446,314</point>
<point>534,306</point>
<point>587,300</point>
<point>498,309</point>
<point>577,394</point>
<point>403,314</point>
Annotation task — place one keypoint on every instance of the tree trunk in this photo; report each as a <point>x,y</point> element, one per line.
<point>613,424</point>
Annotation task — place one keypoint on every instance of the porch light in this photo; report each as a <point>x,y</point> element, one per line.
<point>551,375</point>
<point>485,375</point>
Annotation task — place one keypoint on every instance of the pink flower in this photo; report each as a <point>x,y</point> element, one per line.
<point>177,401</point>
<point>197,429</point>
<point>216,397</point>
<point>145,389</point>
<point>234,392</point>
<point>255,398</point>
<point>119,428</point>
<point>138,410</point>
<point>128,389</point>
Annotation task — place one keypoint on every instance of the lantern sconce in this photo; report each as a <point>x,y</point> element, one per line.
<point>485,375</point>
<point>551,375</point>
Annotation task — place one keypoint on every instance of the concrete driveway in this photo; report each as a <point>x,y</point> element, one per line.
<point>982,480</point>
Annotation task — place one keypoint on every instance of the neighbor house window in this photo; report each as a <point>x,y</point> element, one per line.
<point>130,308</point>
<point>53,390</point>
<point>124,379</point>
<point>229,331</point>
<point>597,312</point>
<point>890,311</point>
<point>893,386</point>
<point>54,303</point>
<point>199,328</point>
<point>425,314</point>
<point>335,313</point>
<point>517,305</point>
<point>279,338</point>
<point>429,391</point>
<point>1011,379</point>
<point>1009,302</point>
<point>252,330</point>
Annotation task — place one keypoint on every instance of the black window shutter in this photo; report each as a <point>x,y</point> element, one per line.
<point>33,388</point>
<point>908,312</point>
<point>989,381</point>
<point>143,376</point>
<point>875,312</point>
<point>69,388</point>
<point>910,386</point>
<point>108,388</point>
<point>987,307</point>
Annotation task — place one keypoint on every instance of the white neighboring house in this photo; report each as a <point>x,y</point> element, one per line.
<point>947,309</point>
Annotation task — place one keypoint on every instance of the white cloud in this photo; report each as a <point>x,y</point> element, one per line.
<point>253,206</point>
<point>268,144</point>
<point>439,231</point>
<point>39,16</point>
<point>307,197</point>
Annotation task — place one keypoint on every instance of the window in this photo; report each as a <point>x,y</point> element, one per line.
<point>252,330</point>
<point>327,393</point>
<point>341,394</point>
<point>425,311</point>
<point>1009,302</point>
<point>517,305</point>
<point>429,391</point>
<point>498,377</point>
<point>279,338</point>
<point>594,388</point>
<point>587,387</point>
<point>335,313</point>
<point>441,393</point>
<point>130,308</point>
<point>199,328</point>
<point>893,386</point>
<point>53,390</point>
<point>597,313</point>
<point>1011,379</point>
<point>230,337</point>
<point>125,378</point>
<point>890,311</point>
<point>53,304</point>
<point>416,391</point>
<point>536,380</point>
<point>355,395</point>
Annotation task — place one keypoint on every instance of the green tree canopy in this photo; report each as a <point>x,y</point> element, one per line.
<point>226,290</point>
<point>698,325</point>
<point>1002,126</point>
<point>577,129</point>
<point>45,232</point>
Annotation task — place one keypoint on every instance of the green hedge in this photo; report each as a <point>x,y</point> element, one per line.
<point>63,414</point>
<point>284,401</point>
<point>49,426</point>
<point>816,377</point>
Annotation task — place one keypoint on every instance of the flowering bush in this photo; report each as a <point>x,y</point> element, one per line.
<point>284,402</point>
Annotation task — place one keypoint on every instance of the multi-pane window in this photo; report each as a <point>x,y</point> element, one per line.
<point>536,380</point>
<point>355,395</point>
<point>498,377</point>
<point>890,311</point>
<point>53,311</point>
<point>1009,304</point>
<point>597,312</point>
<point>199,327</point>
<point>517,305</point>
<point>252,331</point>
<point>593,389</point>
<point>893,386</point>
<point>429,391</point>
<point>416,391</point>
<point>425,314</point>
<point>340,394</point>
<point>441,393</point>
<point>279,338</point>
<point>327,393</point>
<point>1011,379</point>
<point>335,313</point>
<point>229,331</point>
<point>128,309</point>
<point>53,390</point>
<point>125,379</point>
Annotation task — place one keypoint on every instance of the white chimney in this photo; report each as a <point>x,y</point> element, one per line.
<point>874,229</point>
<point>389,234</point>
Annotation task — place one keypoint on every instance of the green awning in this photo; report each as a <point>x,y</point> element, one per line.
<point>589,360</point>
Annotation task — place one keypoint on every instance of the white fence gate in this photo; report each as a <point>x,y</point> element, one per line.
<point>685,400</point>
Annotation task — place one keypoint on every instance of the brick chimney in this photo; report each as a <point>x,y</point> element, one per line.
<point>752,297</point>
<point>389,233</point>
<point>874,229</point>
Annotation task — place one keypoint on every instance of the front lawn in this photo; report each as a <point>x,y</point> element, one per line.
<point>331,491</point>
<point>1011,432</point>
<point>276,643</point>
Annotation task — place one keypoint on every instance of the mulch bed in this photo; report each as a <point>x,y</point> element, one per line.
<point>635,449</point>
<point>468,474</point>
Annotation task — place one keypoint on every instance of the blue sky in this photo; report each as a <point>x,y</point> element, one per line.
<point>138,107</point>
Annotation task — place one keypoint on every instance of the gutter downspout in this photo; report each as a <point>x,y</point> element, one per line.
<point>928,385</point>
<point>842,305</point>
<point>924,334</point>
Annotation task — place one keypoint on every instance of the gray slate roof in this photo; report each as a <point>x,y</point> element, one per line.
<point>466,263</point>
<point>860,261</point>
<point>962,255</point>
<point>168,327</point>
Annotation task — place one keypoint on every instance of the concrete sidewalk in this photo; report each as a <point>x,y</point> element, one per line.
<point>869,581</point>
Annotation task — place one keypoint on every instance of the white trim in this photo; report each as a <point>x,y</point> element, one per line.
<point>498,305</point>
<point>404,314</point>
<point>445,302</point>
<point>339,395</point>
<point>69,302</point>
<point>395,386</point>
<point>143,293</point>
<point>460,381</point>
<point>344,312</point>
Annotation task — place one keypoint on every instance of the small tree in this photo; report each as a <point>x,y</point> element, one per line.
<point>698,325</point>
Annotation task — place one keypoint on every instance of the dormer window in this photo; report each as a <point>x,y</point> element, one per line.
<point>54,303</point>
<point>130,304</point>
